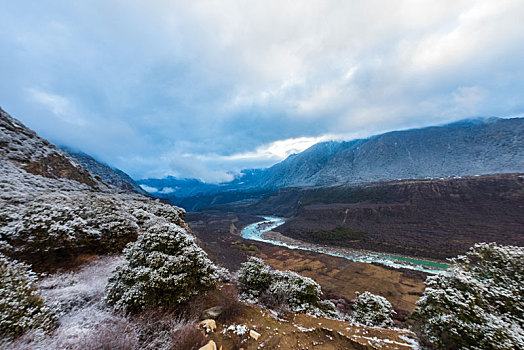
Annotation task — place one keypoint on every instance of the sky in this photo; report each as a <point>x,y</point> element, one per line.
<point>203,89</point>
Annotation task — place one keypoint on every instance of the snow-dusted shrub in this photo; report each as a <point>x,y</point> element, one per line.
<point>55,226</point>
<point>479,304</point>
<point>163,267</point>
<point>373,310</point>
<point>299,293</point>
<point>287,289</point>
<point>254,277</point>
<point>224,275</point>
<point>21,306</point>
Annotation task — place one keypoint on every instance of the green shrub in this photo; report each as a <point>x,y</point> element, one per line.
<point>254,277</point>
<point>479,304</point>
<point>21,306</point>
<point>277,289</point>
<point>164,267</point>
<point>373,310</point>
<point>299,293</point>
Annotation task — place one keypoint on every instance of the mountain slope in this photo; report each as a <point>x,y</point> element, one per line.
<point>112,176</point>
<point>53,210</point>
<point>466,148</point>
<point>487,146</point>
<point>24,149</point>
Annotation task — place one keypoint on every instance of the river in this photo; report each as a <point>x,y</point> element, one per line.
<point>260,231</point>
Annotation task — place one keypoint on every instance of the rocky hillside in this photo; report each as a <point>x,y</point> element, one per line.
<point>53,210</point>
<point>112,176</point>
<point>426,218</point>
<point>24,149</point>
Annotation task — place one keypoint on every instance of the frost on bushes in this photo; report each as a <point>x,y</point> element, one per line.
<point>480,303</point>
<point>301,294</point>
<point>58,225</point>
<point>254,277</point>
<point>373,310</point>
<point>287,289</point>
<point>163,267</point>
<point>21,306</point>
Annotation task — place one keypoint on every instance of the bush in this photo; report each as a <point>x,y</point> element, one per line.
<point>164,267</point>
<point>21,306</point>
<point>373,310</point>
<point>52,228</point>
<point>479,304</point>
<point>277,289</point>
<point>254,277</point>
<point>299,293</point>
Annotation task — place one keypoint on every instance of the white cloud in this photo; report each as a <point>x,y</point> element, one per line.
<point>149,189</point>
<point>167,190</point>
<point>279,150</point>
<point>479,30</point>
<point>60,106</point>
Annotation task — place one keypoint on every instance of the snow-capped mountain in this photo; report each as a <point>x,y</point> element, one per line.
<point>465,148</point>
<point>475,147</point>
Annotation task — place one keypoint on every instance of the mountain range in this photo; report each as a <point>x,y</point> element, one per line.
<point>465,148</point>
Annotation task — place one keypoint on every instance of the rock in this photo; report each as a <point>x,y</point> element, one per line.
<point>209,324</point>
<point>254,335</point>
<point>211,345</point>
<point>213,312</point>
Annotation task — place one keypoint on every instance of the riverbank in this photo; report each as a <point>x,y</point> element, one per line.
<point>263,231</point>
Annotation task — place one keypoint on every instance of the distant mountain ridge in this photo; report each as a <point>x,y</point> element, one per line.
<point>108,174</point>
<point>464,148</point>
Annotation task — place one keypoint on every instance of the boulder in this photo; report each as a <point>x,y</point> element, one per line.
<point>254,335</point>
<point>211,345</point>
<point>209,325</point>
<point>213,312</point>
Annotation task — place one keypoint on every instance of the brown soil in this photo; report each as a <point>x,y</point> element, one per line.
<point>306,332</point>
<point>341,277</point>
<point>338,277</point>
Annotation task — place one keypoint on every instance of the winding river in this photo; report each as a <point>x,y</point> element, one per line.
<point>260,231</point>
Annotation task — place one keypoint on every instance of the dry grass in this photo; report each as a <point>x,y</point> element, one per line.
<point>232,308</point>
<point>188,337</point>
<point>110,335</point>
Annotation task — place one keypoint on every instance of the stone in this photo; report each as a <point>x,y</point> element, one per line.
<point>213,312</point>
<point>211,345</point>
<point>254,335</point>
<point>209,325</point>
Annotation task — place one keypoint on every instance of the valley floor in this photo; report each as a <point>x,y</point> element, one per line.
<point>219,234</point>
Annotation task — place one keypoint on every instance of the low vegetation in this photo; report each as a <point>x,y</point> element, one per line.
<point>164,267</point>
<point>49,230</point>
<point>282,289</point>
<point>373,310</point>
<point>21,305</point>
<point>337,234</point>
<point>479,304</point>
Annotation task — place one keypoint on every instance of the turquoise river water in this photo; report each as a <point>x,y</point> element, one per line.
<point>255,231</point>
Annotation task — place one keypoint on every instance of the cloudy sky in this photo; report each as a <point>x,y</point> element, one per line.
<point>205,88</point>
